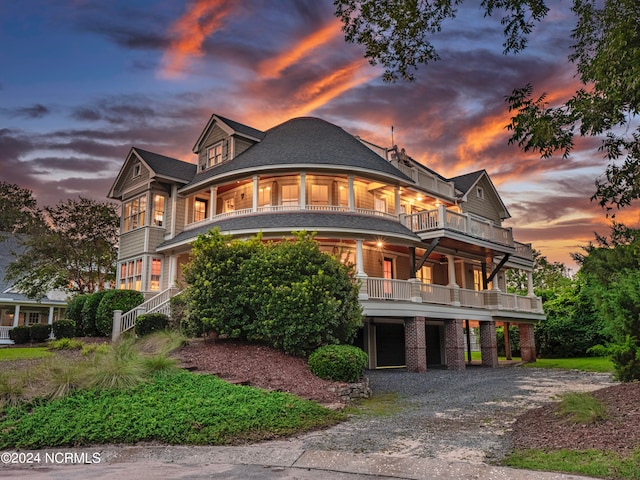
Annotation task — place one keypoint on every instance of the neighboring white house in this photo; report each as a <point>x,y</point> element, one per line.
<point>15,308</point>
<point>431,252</point>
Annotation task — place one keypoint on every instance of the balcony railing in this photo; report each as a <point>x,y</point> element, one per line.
<point>441,219</point>
<point>416,291</point>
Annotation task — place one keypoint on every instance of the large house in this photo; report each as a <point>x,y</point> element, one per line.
<point>16,308</point>
<point>431,252</point>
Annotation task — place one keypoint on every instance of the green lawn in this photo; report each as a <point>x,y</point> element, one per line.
<point>586,364</point>
<point>23,353</point>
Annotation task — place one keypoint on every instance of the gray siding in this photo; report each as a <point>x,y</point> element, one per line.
<point>132,244</point>
<point>129,181</point>
<point>240,145</point>
<point>488,207</point>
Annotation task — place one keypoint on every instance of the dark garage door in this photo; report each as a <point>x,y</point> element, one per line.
<point>390,345</point>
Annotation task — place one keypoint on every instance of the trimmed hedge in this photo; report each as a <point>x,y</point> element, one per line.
<point>151,322</point>
<point>113,300</point>
<point>40,332</point>
<point>64,328</point>
<point>89,311</point>
<point>74,313</point>
<point>20,334</point>
<point>341,363</point>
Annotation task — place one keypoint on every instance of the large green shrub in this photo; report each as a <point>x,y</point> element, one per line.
<point>64,328</point>
<point>113,300</point>
<point>289,294</point>
<point>89,311</point>
<point>342,363</point>
<point>74,312</point>
<point>40,332</point>
<point>20,334</point>
<point>150,322</point>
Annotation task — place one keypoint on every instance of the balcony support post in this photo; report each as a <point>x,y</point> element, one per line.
<point>416,345</point>
<point>416,295</point>
<point>352,195</point>
<point>488,344</point>
<point>213,193</point>
<point>360,273</point>
<point>303,190</point>
<point>256,182</point>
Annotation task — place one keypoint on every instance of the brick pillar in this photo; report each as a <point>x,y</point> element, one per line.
<point>488,344</point>
<point>454,344</point>
<point>415,344</point>
<point>527,343</point>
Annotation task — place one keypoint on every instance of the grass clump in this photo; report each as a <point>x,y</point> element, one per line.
<point>593,463</point>
<point>66,344</point>
<point>379,405</point>
<point>12,388</point>
<point>181,408</point>
<point>582,408</point>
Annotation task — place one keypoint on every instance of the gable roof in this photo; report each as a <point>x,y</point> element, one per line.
<point>465,183</point>
<point>231,127</point>
<point>160,166</point>
<point>302,142</point>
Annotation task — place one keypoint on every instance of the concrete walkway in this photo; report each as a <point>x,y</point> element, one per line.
<point>273,460</point>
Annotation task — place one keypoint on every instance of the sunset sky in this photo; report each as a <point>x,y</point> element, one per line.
<point>82,81</point>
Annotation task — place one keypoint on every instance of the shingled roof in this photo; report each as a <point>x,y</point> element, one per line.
<point>286,222</point>
<point>305,141</point>
<point>167,166</point>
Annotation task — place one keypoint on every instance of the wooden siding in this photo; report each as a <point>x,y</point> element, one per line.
<point>489,207</point>
<point>129,181</point>
<point>156,237</point>
<point>132,244</point>
<point>240,145</point>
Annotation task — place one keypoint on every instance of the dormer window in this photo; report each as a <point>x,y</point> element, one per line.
<point>136,170</point>
<point>216,154</point>
<point>480,192</point>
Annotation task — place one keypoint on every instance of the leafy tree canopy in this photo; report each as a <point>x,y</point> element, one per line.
<point>19,212</point>
<point>74,249</point>
<point>606,53</point>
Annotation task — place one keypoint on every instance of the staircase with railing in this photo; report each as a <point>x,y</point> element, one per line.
<point>161,303</point>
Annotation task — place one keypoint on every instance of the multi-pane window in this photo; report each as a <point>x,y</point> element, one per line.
<point>131,275</point>
<point>32,318</point>
<point>478,284</point>
<point>200,209</point>
<point>134,213</point>
<point>158,210</point>
<point>289,195</point>
<point>319,194</point>
<point>425,274</point>
<point>156,271</point>
<point>214,154</point>
<point>264,196</point>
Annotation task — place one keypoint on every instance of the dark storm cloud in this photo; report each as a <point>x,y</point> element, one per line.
<point>34,111</point>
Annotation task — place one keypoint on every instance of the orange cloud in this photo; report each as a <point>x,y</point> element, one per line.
<point>272,67</point>
<point>189,32</point>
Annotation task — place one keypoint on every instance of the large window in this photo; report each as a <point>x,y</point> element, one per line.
<point>319,194</point>
<point>131,274</point>
<point>343,195</point>
<point>134,213</point>
<point>200,209</point>
<point>425,274</point>
<point>380,204</point>
<point>158,210</point>
<point>289,195</point>
<point>156,271</point>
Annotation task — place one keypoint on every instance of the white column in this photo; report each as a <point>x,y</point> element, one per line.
<point>303,190</point>
<point>352,195</point>
<point>452,271</point>
<point>50,320</point>
<point>397,192</point>
<point>213,193</point>
<point>530,284</point>
<point>174,205</point>
<point>173,270</point>
<point>16,315</point>
<point>256,180</point>
<point>359,259</point>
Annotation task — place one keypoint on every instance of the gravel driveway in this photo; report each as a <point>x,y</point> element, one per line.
<point>451,415</point>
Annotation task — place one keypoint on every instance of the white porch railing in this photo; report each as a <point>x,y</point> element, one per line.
<point>402,290</point>
<point>161,303</point>
<point>4,335</point>
<point>385,289</point>
<point>435,293</point>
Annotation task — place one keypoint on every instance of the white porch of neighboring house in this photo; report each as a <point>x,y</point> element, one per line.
<point>26,312</point>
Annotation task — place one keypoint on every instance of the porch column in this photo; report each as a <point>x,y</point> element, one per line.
<point>454,344</point>
<point>352,194</point>
<point>451,266</point>
<point>213,194</point>
<point>50,319</point>
<point>256,180</point>
<point>530,284</point>
<point>397,192</point>
<point>360,273</point>
<point>16,315</point>
<point>527,343</point>
<point>174,205</point>
<point>303,190</point>
<point>488,344</point>
<point>173,270</point>
<point>415,344</point>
